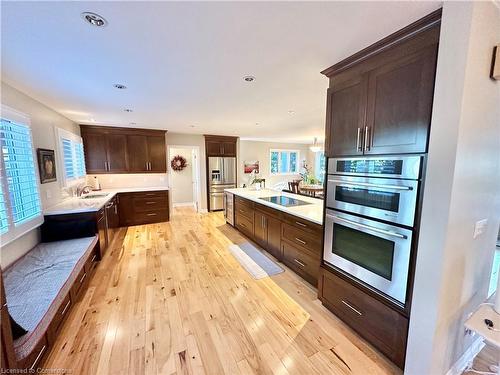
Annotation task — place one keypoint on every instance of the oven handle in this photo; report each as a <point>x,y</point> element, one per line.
<point>382,231</point>
<point>366,184</point>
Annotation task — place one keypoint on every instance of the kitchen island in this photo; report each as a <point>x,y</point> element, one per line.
<point>288,226</point>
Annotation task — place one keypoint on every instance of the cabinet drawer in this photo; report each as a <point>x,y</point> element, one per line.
<point>59,317</point>
<point>242,202</point>
<point>35,359</point>
<point>148,204</point>
<point>91,262</point>
<point>301,238</point>
<point>302,262</point>
<point>304,225</point>
<point>244,224</point>
<point>149,194</point>
<point>80,281</point>
<point>151,216</point>
<point>385,328</point>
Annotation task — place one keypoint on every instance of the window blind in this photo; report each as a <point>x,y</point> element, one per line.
<point>20,206</point>
<point>73,158</point>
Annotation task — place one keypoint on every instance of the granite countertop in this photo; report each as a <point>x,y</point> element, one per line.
<point>76,205</point>
<point>312,212</point>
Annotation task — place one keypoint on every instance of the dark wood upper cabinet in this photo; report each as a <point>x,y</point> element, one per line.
<point>123,150</point>
<point>156,153</point>
<point>400,104</point>
<point>346,116</point>
<point>96,157</point>
<point>116,146</point>
<point>380,99</point>
<point>218,145</point>
<point>138,155</point>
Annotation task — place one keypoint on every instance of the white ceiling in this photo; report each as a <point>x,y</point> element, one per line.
<point>183,63</point>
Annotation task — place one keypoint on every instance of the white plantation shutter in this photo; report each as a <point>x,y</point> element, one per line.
<point>72,155</point>
<point>20,206</point>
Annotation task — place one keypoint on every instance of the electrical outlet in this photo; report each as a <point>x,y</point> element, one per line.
<point>480,227</point>
<point>48,194</point>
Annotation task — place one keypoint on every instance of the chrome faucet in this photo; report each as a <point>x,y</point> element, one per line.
<point>83,190</point>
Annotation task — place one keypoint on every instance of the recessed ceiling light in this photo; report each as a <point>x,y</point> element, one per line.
<point>133,123</point>
<point>290,112</point>
<point>257,124</point>
<point>128,110</point>
<point>249,78</point>
<point>119,86</point>
<point>94,19</point>
<point>191,126</point>
<point>92,119</point>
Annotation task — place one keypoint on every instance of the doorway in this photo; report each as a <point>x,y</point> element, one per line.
<point>185,184</point>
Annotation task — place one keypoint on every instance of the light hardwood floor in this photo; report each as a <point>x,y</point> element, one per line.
<point>173,300</point>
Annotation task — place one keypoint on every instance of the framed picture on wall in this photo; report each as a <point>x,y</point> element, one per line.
<point>250,166</point>
<point>46,165</point>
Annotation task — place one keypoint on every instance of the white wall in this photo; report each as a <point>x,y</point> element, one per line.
<point>259,150</point>
<point>181,182</point>
<point>178,139</point>
<point>43,123</point>
<point>463,171</point>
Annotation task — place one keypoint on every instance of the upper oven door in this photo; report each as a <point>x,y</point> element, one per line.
<point>377,254</point>
<point>380,198</point>
<point>403,167</point>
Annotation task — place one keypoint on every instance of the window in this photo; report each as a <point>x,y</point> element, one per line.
<point>284,162</point>
<point>20,206</point>
<point>73,159</point>
<point>320,166</point>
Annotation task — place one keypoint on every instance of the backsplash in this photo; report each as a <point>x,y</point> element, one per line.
<point>109,181</point>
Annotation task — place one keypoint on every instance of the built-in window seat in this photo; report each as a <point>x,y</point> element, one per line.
<point>40,288</point>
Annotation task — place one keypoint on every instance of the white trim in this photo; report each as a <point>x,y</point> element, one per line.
<point>13,232</point>
<point>184,204</point>
<point>198,170</point>
<point>466,359</point>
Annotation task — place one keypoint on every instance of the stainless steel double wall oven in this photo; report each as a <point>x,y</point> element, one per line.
<point>370,216</point>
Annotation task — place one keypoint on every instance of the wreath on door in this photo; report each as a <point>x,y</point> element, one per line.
<point>178,163</point>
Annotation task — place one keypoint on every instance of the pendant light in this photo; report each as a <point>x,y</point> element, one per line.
<point>315,146</point>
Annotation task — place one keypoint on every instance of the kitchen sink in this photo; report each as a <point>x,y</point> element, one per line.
<point>93,196</point>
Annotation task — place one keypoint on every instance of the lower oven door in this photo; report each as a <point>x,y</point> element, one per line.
<point>377,254</point>
<point>384,199</point>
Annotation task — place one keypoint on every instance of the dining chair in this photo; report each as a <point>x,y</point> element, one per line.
<point>294,186</point>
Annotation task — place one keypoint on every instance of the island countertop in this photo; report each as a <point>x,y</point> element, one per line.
<point>74,205</point>
<point>312,212</point>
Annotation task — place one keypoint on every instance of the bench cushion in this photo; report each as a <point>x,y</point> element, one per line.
<point>37,283</point>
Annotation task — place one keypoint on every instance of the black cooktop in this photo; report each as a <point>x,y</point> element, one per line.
<point>285,201</point>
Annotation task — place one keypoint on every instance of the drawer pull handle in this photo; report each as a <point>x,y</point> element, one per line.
<point>83,277</point>
<point>37,359</point>
<point>243,225</point>
<point>301,224</point>
<point>299,262</point>
<point>152,214</point>
<point>352,308</point>
<point>300,241</point>
<point>150,202</point>
<point>93,258</point>
<point>66,307</point>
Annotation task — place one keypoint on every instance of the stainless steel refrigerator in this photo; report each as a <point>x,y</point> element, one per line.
<point>221,175</point>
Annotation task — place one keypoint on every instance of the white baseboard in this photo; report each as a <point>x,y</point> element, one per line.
<point>183,204</point>
<point>467,358</point>
<point>203,211</point>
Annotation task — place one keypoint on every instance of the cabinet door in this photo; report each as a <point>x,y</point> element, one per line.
<point>229,148</point>
<point>400,103</point>
<point>274,236</point>
<point>94,146</point>
<point>345,119</point>
<point>137,153</point>
<point>157,154</point>
<point>260,229</point>
<point>116,145</point>
<point>213,148</point>
<point>102,230</point>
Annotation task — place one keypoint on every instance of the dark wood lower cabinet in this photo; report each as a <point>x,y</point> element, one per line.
<point>379,324</point>
<point>143,207</point>
<point>292,240</point>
